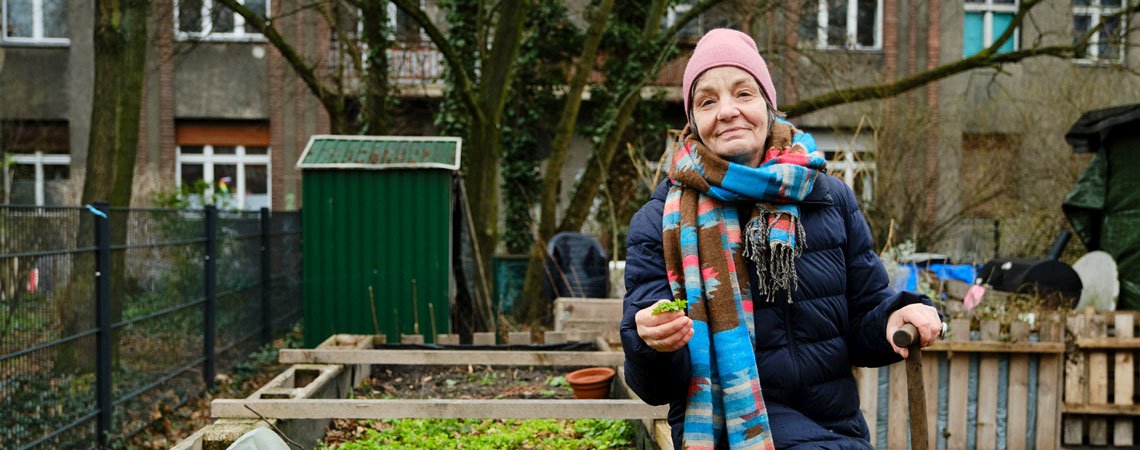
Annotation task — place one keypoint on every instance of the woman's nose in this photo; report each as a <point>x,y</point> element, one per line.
<point>727,110</point>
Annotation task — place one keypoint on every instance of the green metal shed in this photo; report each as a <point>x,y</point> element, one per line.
<point>377,214</point>
<point>1104,205</point>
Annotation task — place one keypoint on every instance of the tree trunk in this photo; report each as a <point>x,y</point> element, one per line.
<point>532,307</point>
<point>120,40</point>
<point>483,194</point>
<point>579,207</point>
<point>375,109</point>
<point>483,148</point>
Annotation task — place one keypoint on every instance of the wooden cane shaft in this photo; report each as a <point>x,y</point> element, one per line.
<point>916,397</point>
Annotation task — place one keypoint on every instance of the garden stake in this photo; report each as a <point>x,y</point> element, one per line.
<point>431,315</point>
<point>372,301</point>
<point>396,320</point>
<point>415,310</point>
<point>908,337</point>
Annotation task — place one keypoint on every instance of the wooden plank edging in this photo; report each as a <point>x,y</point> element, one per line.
<point>450,357</point>
<point>436,409</point>
<point>1108,343</point>
<point>1101,410</point>
<point>996,347</point>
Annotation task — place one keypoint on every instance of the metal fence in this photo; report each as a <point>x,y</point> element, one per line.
<point>110,316</point>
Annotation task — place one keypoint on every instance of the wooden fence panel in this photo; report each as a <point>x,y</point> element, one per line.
<point>931,381</point>
<point>1096,328</point>
<point>1017,424</point>
<point>897,412</point>
<point>1048,387</point>
<point>974,423</point>
<point>959,387</point>
<point>1076,379</point>
<point>868,381</point>
<point>1102,392</point>
<point>986,433</point>
<point>1123,388</point>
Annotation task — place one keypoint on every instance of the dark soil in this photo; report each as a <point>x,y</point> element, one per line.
<point>466,382</point>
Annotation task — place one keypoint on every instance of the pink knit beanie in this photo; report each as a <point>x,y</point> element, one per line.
<point>726,47</point>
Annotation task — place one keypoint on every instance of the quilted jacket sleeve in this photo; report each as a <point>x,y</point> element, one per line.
<point>658,378</point>
<point>870,298</point>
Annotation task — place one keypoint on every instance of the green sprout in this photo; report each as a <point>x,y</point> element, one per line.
<point>675,305</point>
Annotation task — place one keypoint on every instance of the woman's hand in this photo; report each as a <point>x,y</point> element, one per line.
<point>664,332</point>
<point>923,317</point>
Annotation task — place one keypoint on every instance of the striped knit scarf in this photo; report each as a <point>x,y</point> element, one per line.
<point>703,257</point>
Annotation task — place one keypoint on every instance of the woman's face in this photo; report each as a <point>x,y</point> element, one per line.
<point>731,115</point>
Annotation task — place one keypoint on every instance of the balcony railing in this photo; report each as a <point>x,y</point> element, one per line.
<point>420,63</point>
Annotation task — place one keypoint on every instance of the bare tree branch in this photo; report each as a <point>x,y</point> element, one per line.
<point>989,57</point>
<point>465,85</point>
<point>306,72</point>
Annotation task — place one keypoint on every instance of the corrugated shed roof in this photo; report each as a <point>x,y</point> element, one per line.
<point>381,152</point>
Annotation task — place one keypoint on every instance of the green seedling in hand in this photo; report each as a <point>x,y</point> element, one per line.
<point>675,305</point>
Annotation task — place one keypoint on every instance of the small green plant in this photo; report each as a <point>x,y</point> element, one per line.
<point>675,305</point>
<point>491,434</point>
<point>558,381</point>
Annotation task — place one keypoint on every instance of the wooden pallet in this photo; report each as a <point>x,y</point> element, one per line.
<point>1100,379</point>
<point>956,352</point>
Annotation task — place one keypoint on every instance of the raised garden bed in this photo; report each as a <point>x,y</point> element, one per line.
<point>465,382</point>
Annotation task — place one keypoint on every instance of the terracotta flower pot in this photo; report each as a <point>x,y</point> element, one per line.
<point>591,383</point>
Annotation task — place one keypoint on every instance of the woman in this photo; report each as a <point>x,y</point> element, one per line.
<point>775,259</point>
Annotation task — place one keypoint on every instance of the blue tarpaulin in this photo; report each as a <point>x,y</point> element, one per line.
<point>961,272</point>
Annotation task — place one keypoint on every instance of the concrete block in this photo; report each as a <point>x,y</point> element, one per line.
<point>581,336</point>
<point>483,338</point>
<point>555,337</point>
<point>447,339</point>
<point>412,339</point>
<point>518,337</point>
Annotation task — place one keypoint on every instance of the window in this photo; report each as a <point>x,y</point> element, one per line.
<point>850,157</point>
<point>37,179</point>
<point>210,19</point>
<point>402,26</point>
<point>37,163</point>
<point>35,21</point>
<point>1107,44</point>
<point>836,24</point>
<point>230,157</point>
<point>714,17</point>
<point>985,21</point>
<point>238,170</point>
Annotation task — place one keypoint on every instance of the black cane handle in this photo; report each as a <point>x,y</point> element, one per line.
<point>905,336</point>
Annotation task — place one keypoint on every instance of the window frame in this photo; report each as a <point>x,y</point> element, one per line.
<point>854,159</point>
<point>37,37</point>
<point>988,8</point>
<point>675,12</point>
<point>38,159</point>
<point>393,11</point>
<point>852,34</point>
<point>238,35</point>
<point>1095,11</point>
<point>239,159</point>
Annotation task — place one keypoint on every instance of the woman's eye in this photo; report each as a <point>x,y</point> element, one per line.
<point>706,102</point>
<point>744,94</point>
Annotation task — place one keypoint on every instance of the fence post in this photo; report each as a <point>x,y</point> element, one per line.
<point>266,312</point>
<point>103,356</point>
<point>211,268</point>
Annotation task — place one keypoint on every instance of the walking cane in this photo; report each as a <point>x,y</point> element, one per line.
<point>907,336</point>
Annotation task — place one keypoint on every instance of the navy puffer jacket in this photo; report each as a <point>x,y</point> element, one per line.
<point>804,349</point>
